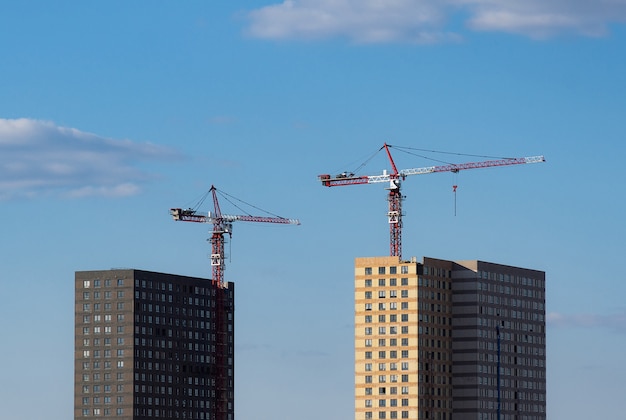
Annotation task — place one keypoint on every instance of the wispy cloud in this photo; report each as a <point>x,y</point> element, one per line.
<point>40,158</point>
<point>616,322</point>
<point>426,21</point>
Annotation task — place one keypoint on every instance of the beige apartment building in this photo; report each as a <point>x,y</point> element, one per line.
<point>445,340</point>
<point>152,346</point>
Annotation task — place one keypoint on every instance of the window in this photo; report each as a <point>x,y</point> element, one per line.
<point>405,341</point>
<point>405,365</point>
<point>381,306</point>
<point>405,318</point>
<point>405,390</point>
<point>368,367</point>
<point>368,379</point>
<point>404,305</point>
<point>404,293</point>
<point>368,270</point>
<point>381,293</point>
<point>405,330</point>
<point>392,282</point>
<point>368,306</point>
<point>368,282</point>
<point>381,354</point>
<point>393,330</point>
<point>368,319</point>
<point>404,281</point>
<point>382,366</point>
<point>86,284</point>
<point>120,294</point>
<point>368,295</point>
<point>393,293</point>
<point>405,402</point>
<point>381,330</point>
<point>368,342</point>
<point>404,269</point>
<point>405,354</point>
<point>405,414</point>
<point>368,403</point>
<point>382,379</point>
<point>120,363</point>
<point>405,378</point>
<point>368,391</point>
<point>393,270</point>
<point>381,270</point>
<point>368,354</point>
<point>368,415</point>
<point>382,403</point>
<point>120,282</point>
<point>368,330</point>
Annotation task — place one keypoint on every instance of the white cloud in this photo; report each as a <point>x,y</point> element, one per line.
<point>424,21</point>
<point>41,158</point>
<point>616,322</point>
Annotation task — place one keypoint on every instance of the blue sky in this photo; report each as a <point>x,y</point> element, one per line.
<point>113,112</point>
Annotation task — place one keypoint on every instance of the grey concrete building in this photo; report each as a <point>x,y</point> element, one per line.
<point>152,345</point>
<point>445,340</point>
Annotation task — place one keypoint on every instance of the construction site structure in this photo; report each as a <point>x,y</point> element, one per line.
<point>222,226</point>
<point>395,178</point>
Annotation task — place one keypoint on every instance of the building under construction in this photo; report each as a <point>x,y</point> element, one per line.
<point>153,346</point>
<point>445,340</point>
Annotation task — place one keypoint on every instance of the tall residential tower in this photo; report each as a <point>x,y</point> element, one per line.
<point>448,340</point>
<point>152,346</point>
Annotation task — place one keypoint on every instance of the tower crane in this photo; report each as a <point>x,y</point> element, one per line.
<point>222,225</point>
<point>395,178</point>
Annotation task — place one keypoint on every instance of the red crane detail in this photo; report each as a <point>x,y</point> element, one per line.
<point>222,225</point>
<point>395,179</point>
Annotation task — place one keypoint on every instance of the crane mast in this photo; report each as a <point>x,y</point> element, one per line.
<point>395,178</point>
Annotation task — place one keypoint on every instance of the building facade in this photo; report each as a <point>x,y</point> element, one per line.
<point>152,345</point>
<point>445,340</point>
